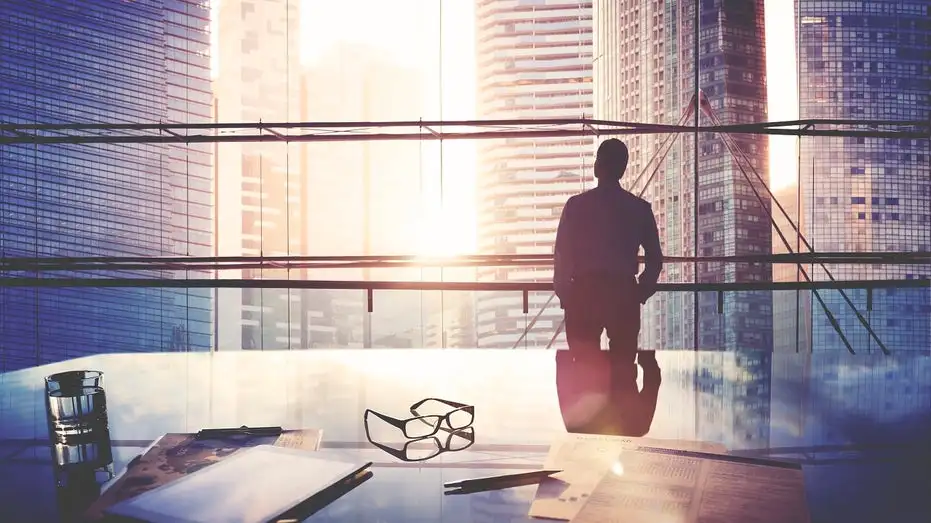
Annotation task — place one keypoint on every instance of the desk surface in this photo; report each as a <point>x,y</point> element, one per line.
<point>860,425</point>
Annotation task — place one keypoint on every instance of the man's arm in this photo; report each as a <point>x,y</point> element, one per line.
<point>653,254</point>
<point>562,253</point>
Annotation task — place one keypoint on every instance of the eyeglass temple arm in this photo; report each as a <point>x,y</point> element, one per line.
<point>447,402</point>
<point>400,454</point>
<point>393,421</point>
<point>394,452</point>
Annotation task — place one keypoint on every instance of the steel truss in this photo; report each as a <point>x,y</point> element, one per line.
<point>101,133</point>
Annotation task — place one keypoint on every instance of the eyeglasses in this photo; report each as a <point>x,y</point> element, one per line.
<point>429,447</point>
<point>423,426</point>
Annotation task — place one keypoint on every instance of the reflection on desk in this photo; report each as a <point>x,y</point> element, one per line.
<point>595,397</point>
<point>858,424</point>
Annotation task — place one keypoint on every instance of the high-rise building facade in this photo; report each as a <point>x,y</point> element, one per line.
<point>534,61</point>
<point>643,72</point>
<point>866,61</point>
<point>259,185</point>
<point>189,166</point>
<point>102,62</point>
<point>380,208</point>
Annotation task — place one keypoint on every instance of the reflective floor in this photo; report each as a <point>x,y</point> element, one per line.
<point>859,425</point>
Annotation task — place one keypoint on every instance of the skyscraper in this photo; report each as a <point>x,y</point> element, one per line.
<point>534,61</point>
<point>643,72</point>
<point>259,185</point>
<point>363,198</point>
<point>101,62</point>
<point>190,166</point>
<point>867,61</point>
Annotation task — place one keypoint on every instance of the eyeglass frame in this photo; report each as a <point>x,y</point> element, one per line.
<point>402,424</point>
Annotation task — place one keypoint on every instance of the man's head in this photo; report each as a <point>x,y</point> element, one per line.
<point>611,160</point>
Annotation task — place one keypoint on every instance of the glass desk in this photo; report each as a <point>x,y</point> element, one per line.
<point>859,425</point>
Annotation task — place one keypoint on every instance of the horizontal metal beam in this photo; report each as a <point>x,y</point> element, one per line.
<point>500,122</point>
<point>91,133</point>
<point>434,285</point>
<point>179,263</point>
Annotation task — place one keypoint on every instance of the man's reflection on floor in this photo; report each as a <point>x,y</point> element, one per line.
<point>598,397</point>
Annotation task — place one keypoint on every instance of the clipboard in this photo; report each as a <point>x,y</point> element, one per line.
<point>253,486</point>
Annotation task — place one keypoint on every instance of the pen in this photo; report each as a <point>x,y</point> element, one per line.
<point>245,431</point>
<point>490,480</point>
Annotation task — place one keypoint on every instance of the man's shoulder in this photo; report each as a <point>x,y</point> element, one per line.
<point>579,197</point>
<point>636,201</point>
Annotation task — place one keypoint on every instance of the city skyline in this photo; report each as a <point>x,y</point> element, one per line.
<point>448,197</point>
<point>427,35</point>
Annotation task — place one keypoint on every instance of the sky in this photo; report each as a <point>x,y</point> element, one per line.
<point>437,37</point>
<point>782,88</point>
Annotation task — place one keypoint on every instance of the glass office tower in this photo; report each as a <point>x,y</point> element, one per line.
<point>866,61</point>
<point>94,62</point>
<point>643,72</point>
<point>190,166</point>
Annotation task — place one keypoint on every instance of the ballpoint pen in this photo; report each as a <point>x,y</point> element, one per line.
<point>493,481</point>
<point>241,431</point>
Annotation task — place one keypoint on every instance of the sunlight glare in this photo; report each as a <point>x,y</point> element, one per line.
<point>782,89</point>
<point>409,31</point>
<point>617,468</point>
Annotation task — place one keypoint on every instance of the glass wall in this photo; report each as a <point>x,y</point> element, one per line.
<point>351,191</point>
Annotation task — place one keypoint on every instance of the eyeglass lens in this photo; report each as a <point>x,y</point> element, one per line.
<point>422,449</point>
<point>460,419</point>
<point>422,426</point>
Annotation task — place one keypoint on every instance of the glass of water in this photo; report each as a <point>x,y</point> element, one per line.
<point>77,405</point>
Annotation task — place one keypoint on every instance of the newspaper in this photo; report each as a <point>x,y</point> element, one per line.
<point>649,484</point>
<point>584,459</point>
<point>175,455</point>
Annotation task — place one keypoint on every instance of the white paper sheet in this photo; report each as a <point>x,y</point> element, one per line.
<point>648,487</point>
<point>584,459</point>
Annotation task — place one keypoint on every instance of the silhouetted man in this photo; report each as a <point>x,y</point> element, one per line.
<point>595,275</point>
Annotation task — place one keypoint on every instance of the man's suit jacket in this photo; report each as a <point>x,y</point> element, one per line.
<point>600,233</point>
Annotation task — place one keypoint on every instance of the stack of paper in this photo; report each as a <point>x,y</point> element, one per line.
<point>610,478</point>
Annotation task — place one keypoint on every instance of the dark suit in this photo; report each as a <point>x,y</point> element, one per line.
<point>595,274</point>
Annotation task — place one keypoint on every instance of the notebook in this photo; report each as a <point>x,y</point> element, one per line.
<point>252,486</point>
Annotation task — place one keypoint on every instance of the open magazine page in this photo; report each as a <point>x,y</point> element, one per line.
<point>175,455</point>
<point>584,460</point>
